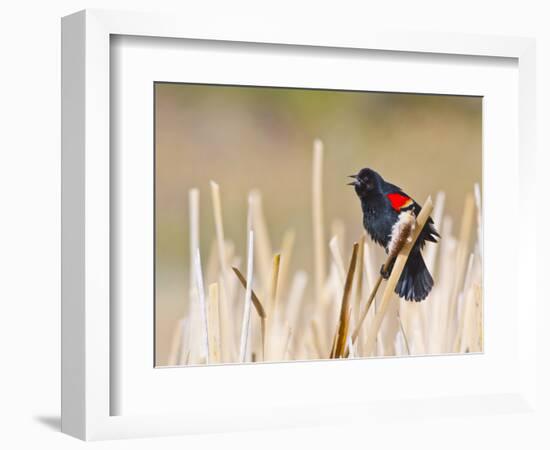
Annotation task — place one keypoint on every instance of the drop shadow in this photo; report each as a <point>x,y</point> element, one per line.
<point>51,422</point>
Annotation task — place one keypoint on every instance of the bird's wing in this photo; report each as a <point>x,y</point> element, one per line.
<point>400,201</point>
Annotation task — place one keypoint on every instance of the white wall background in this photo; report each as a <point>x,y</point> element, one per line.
<point>29,223</point>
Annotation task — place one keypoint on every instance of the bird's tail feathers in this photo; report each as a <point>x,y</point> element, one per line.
<point>415,282</point>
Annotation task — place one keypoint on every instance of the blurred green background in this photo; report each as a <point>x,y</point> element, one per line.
<point>255,137</point>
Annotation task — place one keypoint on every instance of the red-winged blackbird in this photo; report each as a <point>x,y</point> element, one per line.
<point>382,202</point>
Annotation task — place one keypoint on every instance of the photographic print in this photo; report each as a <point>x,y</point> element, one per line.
<point>306,224</point>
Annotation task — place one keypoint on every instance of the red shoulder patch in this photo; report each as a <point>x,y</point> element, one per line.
<point>399,201</point>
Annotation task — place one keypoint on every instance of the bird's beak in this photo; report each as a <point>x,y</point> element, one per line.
<point>355,182</point>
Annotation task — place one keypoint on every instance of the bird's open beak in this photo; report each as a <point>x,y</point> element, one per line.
<point>355,182</point>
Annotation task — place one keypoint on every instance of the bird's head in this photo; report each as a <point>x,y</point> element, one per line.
<point>365,182</point>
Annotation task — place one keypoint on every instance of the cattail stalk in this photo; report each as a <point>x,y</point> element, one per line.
<point>461,261</point>
<point>248,297</point>
<point>401,234</point>
<point>263,244</point>
<point>359,277</point>
<point>345,310</point>
<point>259,309</point>
<point>193,232</point>
<point>202,302</point>
<point>402,329</point>
<point>317,210</point>
<point>274,282</point>
<point>398,266</point>
<point>287,248</point>
<point>296,298</point>
<point>225,331</point>
<point>214,323</point>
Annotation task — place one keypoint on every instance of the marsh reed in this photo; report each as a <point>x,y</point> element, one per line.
<point>269,314</point>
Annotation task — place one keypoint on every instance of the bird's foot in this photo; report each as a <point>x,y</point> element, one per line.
<point>385,273</point>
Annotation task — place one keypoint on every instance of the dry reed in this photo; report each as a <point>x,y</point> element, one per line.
<point>341,315</point>
<point>247,298</point>
<point>345,311</point>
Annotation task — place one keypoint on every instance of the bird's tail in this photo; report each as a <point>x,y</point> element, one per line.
<point>415,282</point>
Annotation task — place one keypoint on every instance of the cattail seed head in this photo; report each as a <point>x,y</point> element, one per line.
<point>402,232</point>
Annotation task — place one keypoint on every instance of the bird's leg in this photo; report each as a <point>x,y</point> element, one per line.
<point>385,271</point>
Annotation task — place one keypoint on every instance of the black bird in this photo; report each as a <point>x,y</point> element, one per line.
<point>382,202</point>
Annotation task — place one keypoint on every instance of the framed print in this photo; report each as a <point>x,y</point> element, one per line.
<point>266,128</point>
<point>255,222</point>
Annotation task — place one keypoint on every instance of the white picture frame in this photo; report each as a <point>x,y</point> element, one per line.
<point>87,353</point>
